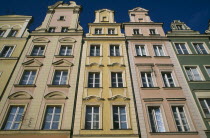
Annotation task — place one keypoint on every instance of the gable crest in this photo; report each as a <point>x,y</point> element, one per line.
<point>32,63</point>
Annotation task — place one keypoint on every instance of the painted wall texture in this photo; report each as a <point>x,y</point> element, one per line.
<point>13,36</point>
<point>194,62</point>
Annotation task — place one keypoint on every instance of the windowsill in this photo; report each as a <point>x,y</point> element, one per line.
<point>29,56</point>
<point>162,56</point>
<point>122,129</point>
<point>118,87</point>
<point>174,133</point>
<point>60,20</point>
<point>94,56</point>
<point>115,56</point>
<point>172,88</point>
<point>94,87</point>
<point>150,88</point>
<point>137,34</point>
<point>63,86</point>
<point>8,58</point>
<point>202,81</point>
<point>142,56</point>
<point>59,56</point>
<point>20,85</point>
<point>98,34</point>
<point>154,34</point>
<point>91,129</point>
<point>193,54</point>
<point>111,34</point>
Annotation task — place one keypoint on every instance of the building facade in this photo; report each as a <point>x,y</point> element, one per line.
<point>164,102</point>
<point>192,51</point>
<point>105,106</point>
<point>13,36</point>
<point>39,100</point>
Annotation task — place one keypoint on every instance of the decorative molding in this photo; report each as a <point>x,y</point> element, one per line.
<point>56,95</point>
<point>171,65</point>
<point>94,64</point>
<point>139,9</point>
<point>41,40</point>
<point>93,97</point>
<point>62,63</point>
<point>67,40</point>
<point>118,97</point>
<point>116,64</point>
<point>145,64</point>
<point>32,63</point>
<point>21,95</point>
<point>152,99</point>
<point>176,99</point>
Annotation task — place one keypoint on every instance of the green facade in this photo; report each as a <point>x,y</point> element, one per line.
<point>182,34</point>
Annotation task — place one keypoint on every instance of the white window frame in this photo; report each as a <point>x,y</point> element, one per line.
<point>60,76</point>
<point>38,50</point>
<point>3,32</point>
<point>66,29</point>
<point>112,32</point>
<point>9,35</point>
<point>155,47</point>
<point>140,51</point>
<point>186,45</point>
<point>207,66</point>
<point>208,106</point>
<point>92,120</point>
<point>14,46</point>
<point>156,32</point>
<point>115,50</point>
<point>146,78</point>
<point>7,113</point>
<point>95,49</point>
<point>198,70</point>
<point>167,80</point>
<point>29,76</point>
<point>66,49</point>
<point>116,75</point>
<point>204,45</point>
<point>54,28</point>
<point>126,113</point>
<point>98,32</point>
<point>139,31</point>
<point>186,115</point>
<point>179,28</point>
<point>94,73</point>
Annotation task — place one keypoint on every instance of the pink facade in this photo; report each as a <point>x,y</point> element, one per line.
<point>162,96</point>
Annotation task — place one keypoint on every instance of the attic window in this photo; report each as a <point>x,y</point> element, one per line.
<point>179,27</point>
<point>104,19</point>
<point>132,14</point>
<point>140,19</point>
<point>61,18</point>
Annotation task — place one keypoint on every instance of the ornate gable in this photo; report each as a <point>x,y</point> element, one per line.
<point>32,63</point>
<point>139,9</point>
<point>63,63</point>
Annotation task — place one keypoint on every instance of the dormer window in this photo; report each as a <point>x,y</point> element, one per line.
<point>111,31</point>
<point>61,18</point>
<point>64,29</point>
<point>140,19</point>
<point>13,33</point>
<point>51,30</point>
<point>2,32</point>
<point>104,19</point>
<point>136,31</point>
<point>152,31</point>
<point>98,31</point>
<point>179,27</point>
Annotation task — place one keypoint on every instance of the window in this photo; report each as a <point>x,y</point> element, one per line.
<point>13,33</point>
<point>6,52</point>
<point>140,50</point>
<point>119,117</point>
<point>147,79</point>
<point>94,80</point>
<point>38,50</point>
<point>64,29</point>
<point>193,74</point>
<point>114,50</point>
<point>52,117</point>
<point>60,77</point>
<point>208,70</point>
<point>92,117</point>
<point>179,27</point>
<point>28,77</point>
<point>168,79</point>
<point>181,48</point>
<point>116,78</point>
<point>61,18</point>
<point>180,118</point>
<point>94,50</point>
<point>132,14</point>
<point>51,30</point>
<point>205,104</point>
<point>200,49</point>
<point>98,31</point>
<point>65,50</point>
<point>111,31</point>
<point>104,19</point>
<point>14,118</point>
<point>159,50</point>
<point>152,31</point>
<point>136,31</point>
<point>156,119</point>
<point>2,32</point>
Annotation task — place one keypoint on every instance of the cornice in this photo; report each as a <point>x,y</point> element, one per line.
<point>146,38</point>
<point>56,34</point>
<point>104,24</point>
<point>141,23</point>
<point>105,38</point>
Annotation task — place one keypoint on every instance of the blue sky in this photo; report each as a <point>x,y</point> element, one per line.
<point>196,13</point>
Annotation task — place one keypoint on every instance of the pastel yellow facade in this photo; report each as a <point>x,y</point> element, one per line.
<point>13,36</point>
<point>105,92</point>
